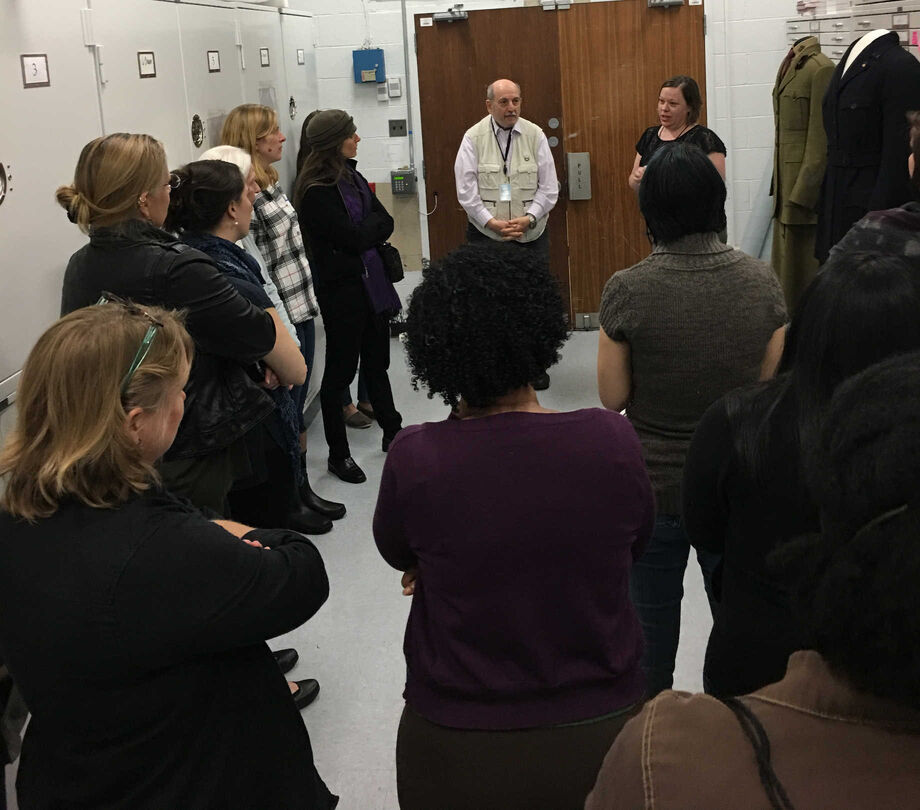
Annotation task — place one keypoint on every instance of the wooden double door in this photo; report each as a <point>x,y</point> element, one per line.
<point>589,77</point>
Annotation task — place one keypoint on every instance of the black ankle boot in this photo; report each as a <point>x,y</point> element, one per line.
<point>329,509</point>
<point>306,521</point>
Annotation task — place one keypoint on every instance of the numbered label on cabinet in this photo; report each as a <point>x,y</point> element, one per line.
<point>34,70</point>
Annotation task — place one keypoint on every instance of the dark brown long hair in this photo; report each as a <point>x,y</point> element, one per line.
<point>316,167</point>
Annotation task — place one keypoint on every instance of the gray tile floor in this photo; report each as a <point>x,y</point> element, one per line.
<point>353,646</point>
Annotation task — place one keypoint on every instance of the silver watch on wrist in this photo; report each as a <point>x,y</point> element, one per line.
<point>533,222</point>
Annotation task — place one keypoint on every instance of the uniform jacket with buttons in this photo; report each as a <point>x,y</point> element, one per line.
<point>799,158</point>
<point>867,137</point>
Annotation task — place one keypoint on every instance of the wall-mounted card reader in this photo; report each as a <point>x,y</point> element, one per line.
<point>578,165</point>
<point>402,182</point>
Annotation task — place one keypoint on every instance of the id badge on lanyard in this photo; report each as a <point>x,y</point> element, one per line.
<point>504,192</point>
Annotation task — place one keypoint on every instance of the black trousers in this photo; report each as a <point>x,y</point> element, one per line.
<point>354,331</point>
<point>270,495</point>
<point>206,480</point>
<point>528,769</point>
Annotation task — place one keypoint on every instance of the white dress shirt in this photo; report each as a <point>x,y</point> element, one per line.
<point>466,172</point>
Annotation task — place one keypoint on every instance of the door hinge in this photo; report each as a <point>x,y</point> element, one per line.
<point>86,20</point>
<point>239,44</point>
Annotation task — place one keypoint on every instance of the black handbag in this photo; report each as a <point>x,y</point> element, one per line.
<point>392,262</point>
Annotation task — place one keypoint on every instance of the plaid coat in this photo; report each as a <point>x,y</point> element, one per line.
<point>278,237</point>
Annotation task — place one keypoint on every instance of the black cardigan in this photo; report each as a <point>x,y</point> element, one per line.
<point>334,241</point>
<point>147,265</point>
<point>727,512</point>
<point>136,635</point>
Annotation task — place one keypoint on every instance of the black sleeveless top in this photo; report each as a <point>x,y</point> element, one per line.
<point>700,136</point>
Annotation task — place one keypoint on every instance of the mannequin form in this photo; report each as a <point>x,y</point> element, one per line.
<point>861,44</point>
<point>799,161</point>
<point>865,122</point>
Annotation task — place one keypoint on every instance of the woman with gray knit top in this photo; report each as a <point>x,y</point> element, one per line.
<point>679,329</point>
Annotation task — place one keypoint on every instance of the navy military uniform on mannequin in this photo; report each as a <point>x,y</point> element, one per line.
<point>864,119</point>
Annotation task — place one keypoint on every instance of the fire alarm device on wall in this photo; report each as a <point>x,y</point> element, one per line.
<point>369,65</point>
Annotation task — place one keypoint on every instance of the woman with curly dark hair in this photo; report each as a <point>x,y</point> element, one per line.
<point>842,728</point>
<point>516,527</point>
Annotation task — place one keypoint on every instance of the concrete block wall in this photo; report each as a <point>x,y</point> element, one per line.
<point>341,28</point>
<point>745,44</point>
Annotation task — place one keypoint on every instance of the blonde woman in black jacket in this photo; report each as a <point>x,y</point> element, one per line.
<point>134,627</point>
<point>120,197</point>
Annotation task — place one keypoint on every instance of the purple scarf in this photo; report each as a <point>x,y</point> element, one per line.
<point>380,291</point>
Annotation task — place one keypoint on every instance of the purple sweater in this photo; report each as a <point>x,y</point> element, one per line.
<point>524,527</point>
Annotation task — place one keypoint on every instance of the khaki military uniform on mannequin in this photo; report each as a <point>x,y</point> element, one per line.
<point>799,161</point>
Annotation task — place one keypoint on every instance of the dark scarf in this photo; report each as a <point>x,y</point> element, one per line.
<point>356,194</point>
<point>233,261</point>
<point>229,257</point>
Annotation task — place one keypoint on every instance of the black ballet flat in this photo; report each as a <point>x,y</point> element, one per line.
<point>347,470</point>
<point>306,693</point>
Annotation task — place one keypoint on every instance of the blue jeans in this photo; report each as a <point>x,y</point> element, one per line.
<point>656,586</point>
<point>306,334</point>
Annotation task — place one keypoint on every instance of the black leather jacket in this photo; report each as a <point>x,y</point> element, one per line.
<point>147,265</point>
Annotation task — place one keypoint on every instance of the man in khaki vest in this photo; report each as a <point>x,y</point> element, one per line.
<point>506,178</point>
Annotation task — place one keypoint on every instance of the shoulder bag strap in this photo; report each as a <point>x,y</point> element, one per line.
<point>755,732</point>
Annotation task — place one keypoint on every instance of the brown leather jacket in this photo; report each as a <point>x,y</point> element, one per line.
<point>832,748</point>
